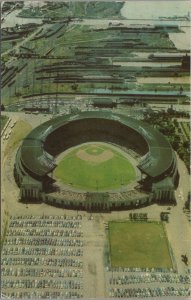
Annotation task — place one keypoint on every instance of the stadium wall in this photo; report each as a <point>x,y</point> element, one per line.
<point>55,136</point>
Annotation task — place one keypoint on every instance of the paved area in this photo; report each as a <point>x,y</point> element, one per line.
<point>42,257</point>
<point>178,229</point>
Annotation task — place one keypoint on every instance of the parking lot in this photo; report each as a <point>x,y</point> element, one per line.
<point>42,257</point>
<point>126,282</point>
<point>62,256</point>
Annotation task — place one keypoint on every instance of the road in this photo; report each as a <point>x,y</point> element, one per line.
<point>178,228</point>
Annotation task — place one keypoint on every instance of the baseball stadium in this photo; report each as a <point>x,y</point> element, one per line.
<point>96,161</point>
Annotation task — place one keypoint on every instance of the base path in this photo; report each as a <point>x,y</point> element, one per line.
<point>104,156</point>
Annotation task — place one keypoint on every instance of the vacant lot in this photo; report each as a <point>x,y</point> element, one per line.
<point>138,245</point>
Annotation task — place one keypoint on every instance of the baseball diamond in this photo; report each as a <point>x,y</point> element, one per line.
<point>96,155</point>
<point>155,159</point>
<point>95,166</point>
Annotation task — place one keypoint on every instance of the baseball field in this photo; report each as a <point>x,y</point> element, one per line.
<point>138,245</point>
<point>95,166</point>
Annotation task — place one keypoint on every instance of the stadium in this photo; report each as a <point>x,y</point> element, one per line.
<point>155,162</point>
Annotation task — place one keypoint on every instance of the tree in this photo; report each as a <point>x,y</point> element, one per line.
<point>187,203</point>
<point>175,122</point>
<point>186,144</point>
<point>181,89</point>
<point>75,87</point>
<point>2,107</point>
<point>175,145</point>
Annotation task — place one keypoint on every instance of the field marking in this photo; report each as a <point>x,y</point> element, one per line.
<point>119,155</point>
<point>104,156</point>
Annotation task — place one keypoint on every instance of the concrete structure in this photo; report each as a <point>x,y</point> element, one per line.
<point>35,160</point>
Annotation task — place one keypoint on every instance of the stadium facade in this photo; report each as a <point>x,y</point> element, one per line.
<point>35,159</point>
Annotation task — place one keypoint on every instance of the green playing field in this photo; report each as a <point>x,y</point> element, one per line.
<point>95,166</point>
<point>143,245</point>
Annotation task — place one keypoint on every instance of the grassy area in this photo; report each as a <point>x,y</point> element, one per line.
<point>20,130</point>
<point>88,174</point>
<point>3,120</point>
<point>138,245</point>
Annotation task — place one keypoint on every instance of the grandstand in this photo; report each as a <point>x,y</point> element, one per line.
<point>35,160</point>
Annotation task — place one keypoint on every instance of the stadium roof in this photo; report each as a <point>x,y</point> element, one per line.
<point>40,163</point>
<point>166,182</point>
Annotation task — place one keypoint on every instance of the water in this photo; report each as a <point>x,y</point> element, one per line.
<point>181,40</point>
<point>11,20</point>
<point>149,12</point>
<point>154,9</point>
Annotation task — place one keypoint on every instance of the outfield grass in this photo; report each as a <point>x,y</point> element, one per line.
<point>138,245</point>
<point>82,174</point>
